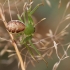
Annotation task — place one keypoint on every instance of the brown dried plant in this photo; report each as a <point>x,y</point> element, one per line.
<point>12,39</point>
<point>45,46</point>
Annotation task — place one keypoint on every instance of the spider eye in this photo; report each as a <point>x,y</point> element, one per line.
<point>15,26</point>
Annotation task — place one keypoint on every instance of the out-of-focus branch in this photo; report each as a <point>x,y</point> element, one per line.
<point>12,39</point>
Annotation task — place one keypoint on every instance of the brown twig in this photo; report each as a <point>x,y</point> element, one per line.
<point>12,39</point>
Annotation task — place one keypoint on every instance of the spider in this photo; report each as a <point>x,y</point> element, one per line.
<point>25,26</point>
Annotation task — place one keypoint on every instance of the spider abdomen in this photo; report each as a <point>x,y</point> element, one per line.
<point>15,26</point>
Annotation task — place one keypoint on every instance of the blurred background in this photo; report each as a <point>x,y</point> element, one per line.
<point>53,13</point>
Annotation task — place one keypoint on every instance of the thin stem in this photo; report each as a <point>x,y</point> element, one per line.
<point>3,39</point>
<point>60,22</point>
<point>9,9</point>
<point>16,8</point>
<point>40,21</point>
<point>12,39</point>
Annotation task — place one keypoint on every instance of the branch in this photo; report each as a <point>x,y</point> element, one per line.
<point>12,39</point>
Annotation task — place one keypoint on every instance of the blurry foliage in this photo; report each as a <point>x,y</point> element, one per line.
<point>53,39</point>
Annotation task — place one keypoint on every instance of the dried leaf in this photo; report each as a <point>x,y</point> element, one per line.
<point>40,21</point>
<point>67,17</point>
<point>67,5</point>
<point>18,64</point>
<point>2,52</point>
<point>59,4</point>
<point>66,26</point>
<point>11,55</point>
<point>55,46</point>
<point>50,31</point>
<point>50,34</point>
<point>68,47</point>
<point>48,3</point>
<point>32,63</point>
<point>10,51</point>
<point>65,57</point>
<point>31,3</point>
<point>56,65</point>
<point>42,43</point>
<point>49,52</point>
<point>63,33</point>
<point>3,39</point>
